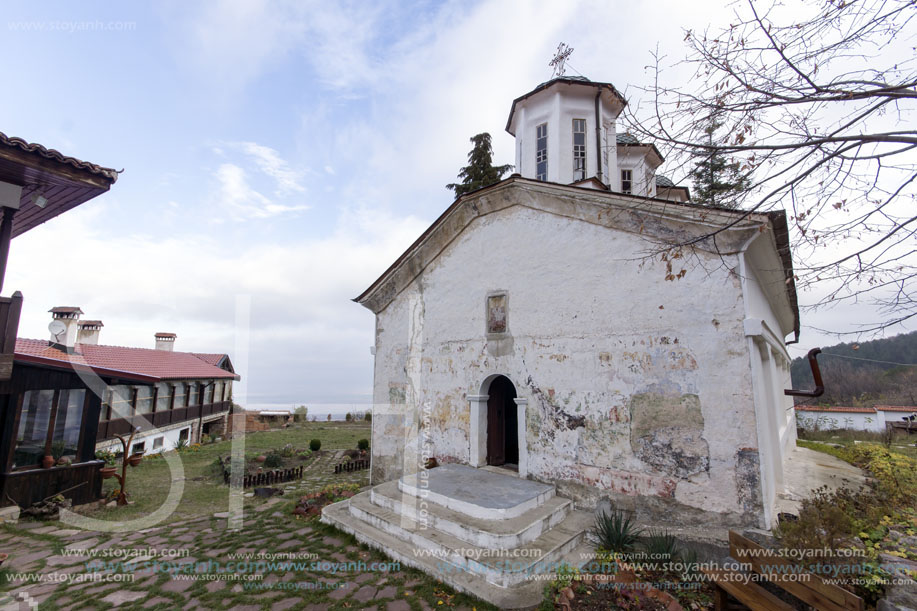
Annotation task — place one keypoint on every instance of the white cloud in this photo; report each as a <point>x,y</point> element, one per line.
<point>187,284</point>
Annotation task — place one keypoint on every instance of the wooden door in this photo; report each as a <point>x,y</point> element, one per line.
<point>496,447</point>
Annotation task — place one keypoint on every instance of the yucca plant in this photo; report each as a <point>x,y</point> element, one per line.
<point>661,546</point>
<point>616,532</point>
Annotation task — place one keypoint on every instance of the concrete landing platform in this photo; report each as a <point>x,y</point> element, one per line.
<point>476,492</point>
<point>806,470</point>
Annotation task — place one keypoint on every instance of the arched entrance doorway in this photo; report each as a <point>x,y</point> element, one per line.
<point>502,423</point>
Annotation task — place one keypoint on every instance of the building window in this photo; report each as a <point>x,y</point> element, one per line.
<point>192,394</point>
<point>68,423</point>
<point>541,152</point>
<point>157,443</point>
<point>579,149</point>
<point>138,448</point>
<point>144,400</point>
<point>163,396</point>
<point>33,427</point>
<point>121,402</point>
<point>627,181</point>
<point>184,434</point>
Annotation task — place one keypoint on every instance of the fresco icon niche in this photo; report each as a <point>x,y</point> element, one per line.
<point>497,313</point>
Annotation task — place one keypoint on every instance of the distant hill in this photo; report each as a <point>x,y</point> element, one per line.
<point>864,373</point>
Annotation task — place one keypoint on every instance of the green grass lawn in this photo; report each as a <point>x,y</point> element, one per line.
<point>900,442</point>
<point>204,491</point>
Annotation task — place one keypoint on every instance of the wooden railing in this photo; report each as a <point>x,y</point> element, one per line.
<point>122,426</point>
<point>10,308</point>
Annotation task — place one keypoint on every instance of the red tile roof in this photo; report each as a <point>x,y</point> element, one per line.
<point>896,408</point>
<point>212,359</point>
<point>843,410</point>
<point>140,363</point>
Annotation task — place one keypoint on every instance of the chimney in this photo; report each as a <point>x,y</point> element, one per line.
<point>89,332</point>
<point>63,327</point>
<point>165,341</point>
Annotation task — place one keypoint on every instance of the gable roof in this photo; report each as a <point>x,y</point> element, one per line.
<point>470,206</point>
<point>141,364</point>
<point>64,182</point>
<point>217,360</point>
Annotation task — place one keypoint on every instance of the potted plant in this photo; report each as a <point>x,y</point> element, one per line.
<point>134,459</point>
<point>111,460</point>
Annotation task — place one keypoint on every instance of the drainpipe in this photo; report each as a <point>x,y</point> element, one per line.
<point>598,139</point>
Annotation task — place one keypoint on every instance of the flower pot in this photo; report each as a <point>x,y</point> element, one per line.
<point>261,458</point>
<point>63,461</point>
<point>108,472</point>
<point>134,459</point>
<point>47,462</point>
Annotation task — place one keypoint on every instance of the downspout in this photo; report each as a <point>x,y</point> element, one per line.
<point>598,139</point>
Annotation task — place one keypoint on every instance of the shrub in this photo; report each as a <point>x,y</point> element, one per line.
<point>213,437</point>
<point>315,445</point>
<point>288,451</point>
<point>662,546</point>
<point>368,417</point>
<point>348,417</point>
<point>109,457</point>
<point>363,444</point>
<point>181,444</point>
<point>616,532</point>
<point>304,453</point>
<point>273,460</point>
<point>329,417</point>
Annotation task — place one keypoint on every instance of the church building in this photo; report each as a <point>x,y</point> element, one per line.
<point>582,325</point>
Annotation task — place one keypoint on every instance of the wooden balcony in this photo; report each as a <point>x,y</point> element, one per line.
<point>10,308</point>
<point>123,426</point>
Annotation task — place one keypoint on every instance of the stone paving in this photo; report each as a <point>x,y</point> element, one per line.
<point>199,564</point>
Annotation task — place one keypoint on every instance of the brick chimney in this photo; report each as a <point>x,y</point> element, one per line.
<point>165,341</point>
<point>63,327</point>
<point>89,332</point>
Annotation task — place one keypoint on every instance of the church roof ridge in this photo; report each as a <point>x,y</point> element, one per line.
<point>390,282</point>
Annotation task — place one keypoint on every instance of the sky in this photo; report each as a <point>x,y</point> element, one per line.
<point>279,156</point>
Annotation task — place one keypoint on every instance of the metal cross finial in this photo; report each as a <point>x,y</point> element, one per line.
<point>563,52</point>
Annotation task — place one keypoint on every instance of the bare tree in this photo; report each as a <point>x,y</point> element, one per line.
<point>818,101</point>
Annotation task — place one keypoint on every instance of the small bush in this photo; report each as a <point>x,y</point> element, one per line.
<point>304,453</point>
<point>213,437</point>
<point>662,546</point>
<point>109,457</point>
<point>315,445</point>
<point>181,444</point>
<point>288,451</point>
<point>363,444</point>
<point>616,532</point>
<point>348,417</point>
<point>368,417</point>
<point>273,460</point>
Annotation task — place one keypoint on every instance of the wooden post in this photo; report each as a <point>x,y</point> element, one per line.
<point>6,233</point>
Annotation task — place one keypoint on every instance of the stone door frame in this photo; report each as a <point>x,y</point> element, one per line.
<point>478,434</point>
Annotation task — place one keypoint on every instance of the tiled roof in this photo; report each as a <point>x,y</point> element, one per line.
<point>212,359</point>
<point>40,150</point>
<point>662,181</point>
<point>137,362</point>
<point>842,410</point>
<point>66,310</point>
<point>896,408</point>
<point>626,139</point>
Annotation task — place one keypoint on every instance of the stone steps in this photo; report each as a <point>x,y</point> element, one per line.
<point>524,595</point>
<point>491,533</point>
<point>499,566</point>
<point>492,495</point>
